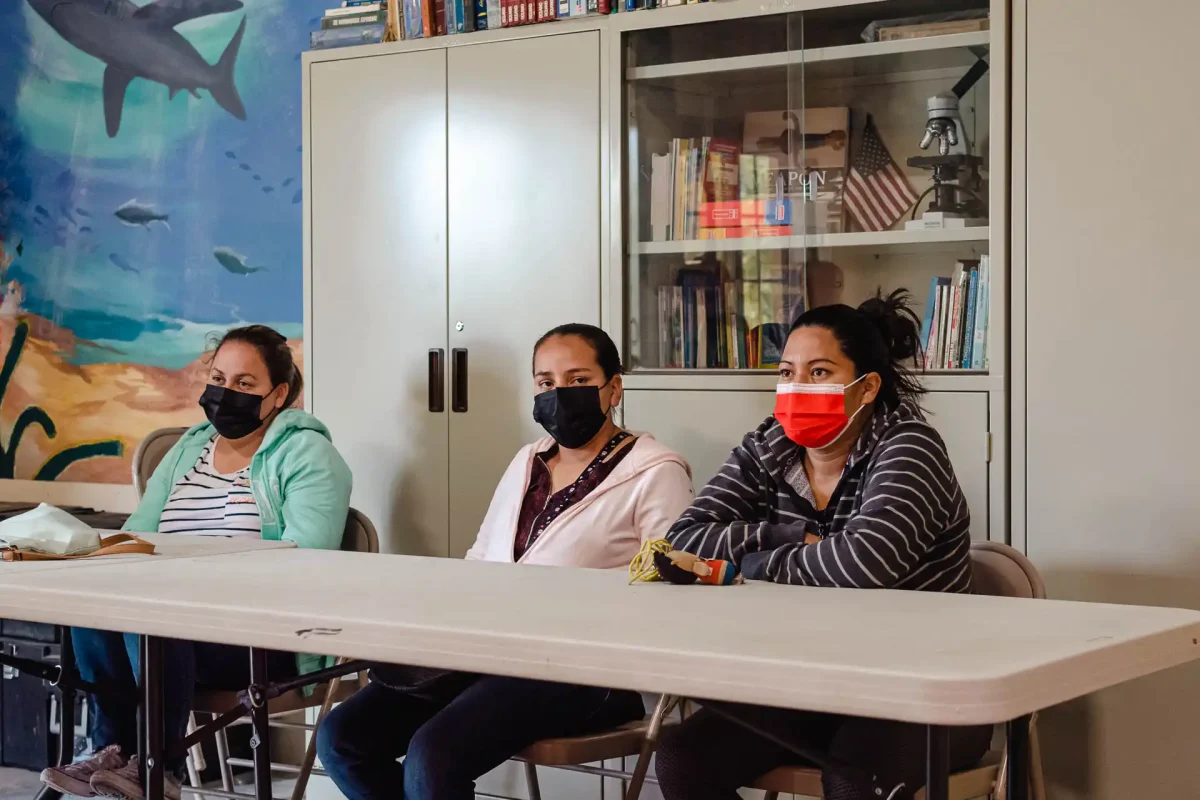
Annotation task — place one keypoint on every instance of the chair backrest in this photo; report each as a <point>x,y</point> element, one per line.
<point>149,454</point>
<point>360,535</point>
<point>1003,571</point>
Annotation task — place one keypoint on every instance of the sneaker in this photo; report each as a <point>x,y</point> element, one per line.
<point>126,783</point>
<point>76,778</point>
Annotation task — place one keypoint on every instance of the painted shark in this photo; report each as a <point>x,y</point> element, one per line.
<point>234,262</point>
<point>141,42</point>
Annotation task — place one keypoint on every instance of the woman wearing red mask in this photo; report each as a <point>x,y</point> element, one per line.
<point>845,486</point>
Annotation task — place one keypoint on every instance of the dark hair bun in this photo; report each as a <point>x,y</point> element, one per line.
<point>896,322</point>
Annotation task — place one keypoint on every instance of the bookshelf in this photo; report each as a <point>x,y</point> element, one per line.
<point>929,241</point>
<point>741,204</point>
<point>842,61</point>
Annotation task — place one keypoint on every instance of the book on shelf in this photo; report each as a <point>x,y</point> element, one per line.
<point>980,333</point>
<point>416,20</point>
<point>968,337</point>
<point>811,160</point>
<point>729,311</point>
<point>954,328</point>
<point>745,232</point>
<point>353,11</point>
<point>369,18</point>
<point>328,38</point>
<point>707,183</point>
<point>926,29</point>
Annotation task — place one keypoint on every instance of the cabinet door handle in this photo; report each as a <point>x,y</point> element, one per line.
<point>458,380</point>
<point>437,380</point>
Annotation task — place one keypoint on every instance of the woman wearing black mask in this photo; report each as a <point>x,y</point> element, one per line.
<point>258,468</point>
<point>586,496</point>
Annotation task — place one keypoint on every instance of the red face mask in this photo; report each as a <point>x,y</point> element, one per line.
<point>813,415</point>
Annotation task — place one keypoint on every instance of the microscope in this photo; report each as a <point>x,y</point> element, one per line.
<point>956,181</point>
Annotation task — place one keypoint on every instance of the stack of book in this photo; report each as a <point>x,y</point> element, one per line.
<point>729,314</point>
<point>706,188</point>
<point>954,333</point>
<point>354,22</point>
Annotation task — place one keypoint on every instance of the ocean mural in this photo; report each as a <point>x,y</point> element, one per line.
<point>150,197</point>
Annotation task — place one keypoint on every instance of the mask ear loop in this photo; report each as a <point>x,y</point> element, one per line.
<point>849,419</point>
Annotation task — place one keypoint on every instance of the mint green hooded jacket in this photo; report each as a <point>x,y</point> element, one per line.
<point>300,483</point>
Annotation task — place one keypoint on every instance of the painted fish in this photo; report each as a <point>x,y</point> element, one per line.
<point>145,44</point>
<point>134,214</point>
<point>122,264</point>
<point>234,262</point>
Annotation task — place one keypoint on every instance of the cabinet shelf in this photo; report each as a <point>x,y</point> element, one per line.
<point>722,380</point>
<point>869,240</point>
<point>844,61</point>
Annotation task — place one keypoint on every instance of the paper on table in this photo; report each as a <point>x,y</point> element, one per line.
<point>47,529</point>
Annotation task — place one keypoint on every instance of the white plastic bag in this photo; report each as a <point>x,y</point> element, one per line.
<point>49,530</point>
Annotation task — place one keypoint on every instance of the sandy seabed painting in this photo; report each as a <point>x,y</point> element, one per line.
<point>150,197</point>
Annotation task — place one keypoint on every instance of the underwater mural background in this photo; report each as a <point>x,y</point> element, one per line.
<point>150,173</point>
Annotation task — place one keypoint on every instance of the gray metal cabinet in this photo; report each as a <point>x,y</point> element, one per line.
<point>376,283</point>
<point>524,206</point>
<point>454,217</point>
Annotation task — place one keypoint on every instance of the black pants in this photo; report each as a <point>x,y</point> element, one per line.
<point>712,753</point>
<point>447,744</point>
<point>112,659</point>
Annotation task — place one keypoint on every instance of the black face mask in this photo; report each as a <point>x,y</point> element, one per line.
<point>234,414</point>
<point>571,414</point>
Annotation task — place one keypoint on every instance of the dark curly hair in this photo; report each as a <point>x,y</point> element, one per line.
<point>882,335</point>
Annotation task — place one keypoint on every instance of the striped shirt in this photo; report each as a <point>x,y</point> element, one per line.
<point>896,520</point>
<point>206,503</point>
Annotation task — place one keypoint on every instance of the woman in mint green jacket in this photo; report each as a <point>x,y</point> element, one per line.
<point>257,468</point>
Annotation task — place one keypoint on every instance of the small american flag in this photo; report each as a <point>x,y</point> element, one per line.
<point>877,193</point>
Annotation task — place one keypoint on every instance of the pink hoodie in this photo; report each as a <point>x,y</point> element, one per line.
<point>639,501</point>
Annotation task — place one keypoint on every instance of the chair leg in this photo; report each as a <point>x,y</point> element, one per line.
<point>1037,778</point>
<point>531,780</point>
<point>661,709</point>
<point>196,751</point>
<point>193,771</point>
<point>223,757</point>
<point>310,752</point>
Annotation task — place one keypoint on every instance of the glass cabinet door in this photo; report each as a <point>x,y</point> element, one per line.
<point>782,162</point>
<point>712,274</point>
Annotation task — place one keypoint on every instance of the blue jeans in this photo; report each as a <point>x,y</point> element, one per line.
<point>111,659</point>
<point>446,746</point>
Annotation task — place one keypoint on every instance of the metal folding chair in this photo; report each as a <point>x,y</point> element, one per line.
<point>997,570</point>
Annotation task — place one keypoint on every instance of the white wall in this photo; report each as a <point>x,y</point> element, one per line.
<point>1113,508</point>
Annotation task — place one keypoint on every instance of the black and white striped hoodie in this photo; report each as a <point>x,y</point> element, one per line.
<point>897,519</point>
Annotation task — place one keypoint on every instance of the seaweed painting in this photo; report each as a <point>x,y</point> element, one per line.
<point>34,415</point>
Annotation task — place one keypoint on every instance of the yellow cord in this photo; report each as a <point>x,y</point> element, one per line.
<point>642,567</point>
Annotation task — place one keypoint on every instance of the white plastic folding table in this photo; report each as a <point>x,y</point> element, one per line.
<point>933,659</point>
